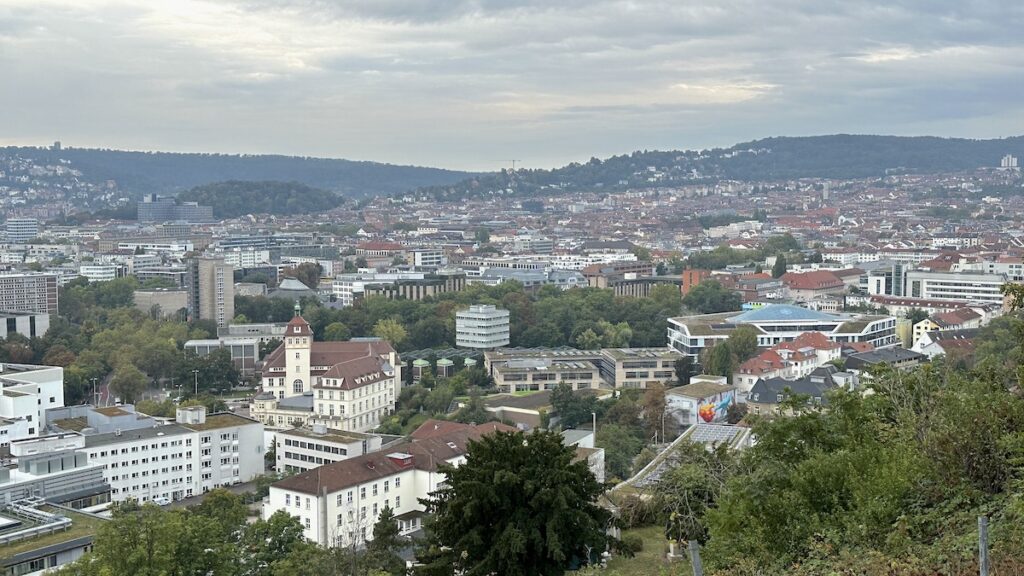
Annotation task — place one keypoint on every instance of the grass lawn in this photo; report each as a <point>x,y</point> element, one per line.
<point>648,560</point>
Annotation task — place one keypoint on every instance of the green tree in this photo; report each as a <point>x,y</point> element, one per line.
<point>128,382</point>
<point>390,329</point>
<point>621,444</point>
<point>779,268</point>
<point>518,506</point>
<point>571,408</point>
<point>588,340</point>
<point>916,315</point>
<point>337,332</point>
<point>720,360</point>
<point>684,370</point>
<point>743,343</point>
<point>382,551</point>
<point>710,297</point>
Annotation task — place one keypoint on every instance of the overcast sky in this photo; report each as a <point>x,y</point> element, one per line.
<point>474,84</point>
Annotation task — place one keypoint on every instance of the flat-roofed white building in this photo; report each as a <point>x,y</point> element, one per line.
<point>145,460</point>
<point>26,392</point>
<point>960,286</point>
<point>301,449</point>
<point>482,327</point>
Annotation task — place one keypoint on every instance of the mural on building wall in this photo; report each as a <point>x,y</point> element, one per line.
<point>715,410</point>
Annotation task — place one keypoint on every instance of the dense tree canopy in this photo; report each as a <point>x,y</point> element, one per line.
<point>519,505</point>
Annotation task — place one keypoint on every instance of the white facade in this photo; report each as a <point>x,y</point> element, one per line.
<point>21,230</point>
<point>961,286</point>
<point>348,287</point>
<point>482,327</point>
<point>179,248</point>
<point>26,393</point>
<point>245,257</point>
<point>27,324</point>
<point>302,449</point>
<point>190,457</point>
<point>427,257</point>
<point>778,323</point>
<point>100,272</point>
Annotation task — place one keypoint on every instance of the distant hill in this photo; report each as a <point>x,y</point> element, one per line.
<point>237,198</point>
<point>166,172</point>
<point>836,156</point>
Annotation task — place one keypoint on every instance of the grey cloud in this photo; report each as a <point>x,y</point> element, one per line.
<point>461,82</point>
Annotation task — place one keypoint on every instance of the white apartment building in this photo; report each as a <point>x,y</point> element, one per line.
<point>26,392</point>
<point>339,503</point>
<point>192,456</point>
<point>961,286</point>
<point>482,327</point>
<point>301,449</point>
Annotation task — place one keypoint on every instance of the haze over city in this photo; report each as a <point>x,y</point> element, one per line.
<point>473,84</point>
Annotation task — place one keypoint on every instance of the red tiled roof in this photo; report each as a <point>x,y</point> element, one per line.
<point>354,373</point>
<point>815,280</point>
<point>427,453</point>
<point>300,323</point>
<point>330,353</point>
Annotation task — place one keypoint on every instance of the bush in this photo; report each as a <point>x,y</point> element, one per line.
<point>629,546</point>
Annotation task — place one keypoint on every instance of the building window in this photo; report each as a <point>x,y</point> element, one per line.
<point>297,386</point>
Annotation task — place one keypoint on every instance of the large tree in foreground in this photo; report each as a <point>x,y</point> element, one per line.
<point>519,506</point>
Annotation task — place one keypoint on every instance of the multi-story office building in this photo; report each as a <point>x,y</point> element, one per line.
<point>482,327</point>
<point>21,230</point>
<point>526,374</point>
<point>427,257</point>
<point>348,288</point>
<point>26,393</point>
<point>416,289</point>
<point>154,208</point>
<point>28,293</point>
<point>300,449</point>
<point>211,290</point>
<point>101,272</point>
<point>777,323</point>
<point>961,286</point>
<point>144,460</point>
<point>638,367</point>
<point>350,385</point>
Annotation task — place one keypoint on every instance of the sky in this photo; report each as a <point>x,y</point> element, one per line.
<point>475,84</point>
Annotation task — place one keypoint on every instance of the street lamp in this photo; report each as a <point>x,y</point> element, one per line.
<point>95,393</point>
<point>195,372</point>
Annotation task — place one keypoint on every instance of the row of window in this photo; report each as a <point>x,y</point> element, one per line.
<point>315,446</point>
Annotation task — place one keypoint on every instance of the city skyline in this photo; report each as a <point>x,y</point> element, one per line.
<point>473,85</point>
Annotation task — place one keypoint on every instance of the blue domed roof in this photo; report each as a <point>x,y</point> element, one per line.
<point>782,313</point>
